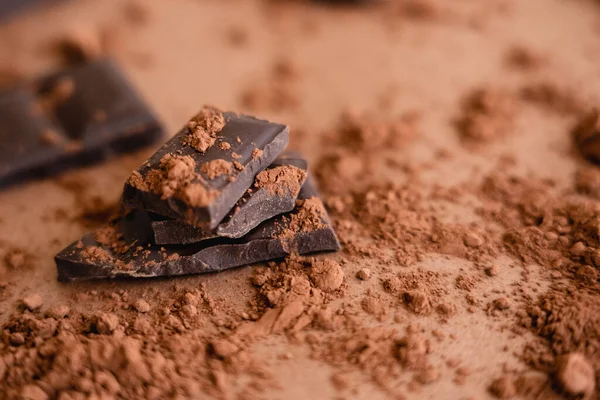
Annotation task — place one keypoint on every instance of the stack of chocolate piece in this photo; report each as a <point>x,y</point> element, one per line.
<point>220,194</point>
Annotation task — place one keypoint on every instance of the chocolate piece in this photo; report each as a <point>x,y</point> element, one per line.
<point>9,8</point>
<point>123,249</point>
<point>274,192</point>
<point>201,173</point>
<point>76,117</point>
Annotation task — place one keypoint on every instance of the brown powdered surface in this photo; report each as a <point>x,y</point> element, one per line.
<point>586,136</point>
<point>204,127</point>
<point>216,168</point>
<point>281,180</point>
<point>487,114</point>
<point>309,217</point>
<point>176,177</point>
<point>466,272</point>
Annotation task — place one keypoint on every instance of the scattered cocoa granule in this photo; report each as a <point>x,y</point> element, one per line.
<point>491,270</point>
<point>575,374</point>
<point>203,128</point>
<point>586,136</point>
<point>281,180</point>
<point>256,153</point>
<point>504,387</point>
<point>487,114</point>
<point>523,58</point>
<point>58,311</point>
<point>237,36</point>
<point>215,168</point>
<point>552,97</point>
<point>16,259</point>
<point>587,181</point>
<point>309,217</point>
<point>137,12</point>
<point>364,274</point>
<point>224,146</point>
<point>32,302</point>
<point>327,275</point>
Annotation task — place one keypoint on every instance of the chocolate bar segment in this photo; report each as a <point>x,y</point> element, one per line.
<point>274,192</point>
<point>201,173</point>
<point>74,117</point>
<point>123,249</point>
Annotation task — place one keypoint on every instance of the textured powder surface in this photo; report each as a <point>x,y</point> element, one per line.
<point>280,180</point>
<point>204,127</point>
<point>177,177</point>
<point>215,168</point>
<point>470,265</point>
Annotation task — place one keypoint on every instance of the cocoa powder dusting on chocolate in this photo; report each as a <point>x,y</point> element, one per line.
<point>216,168</point>
<point>204,127</point>
<point>308,218</point>
<point>281,180</point>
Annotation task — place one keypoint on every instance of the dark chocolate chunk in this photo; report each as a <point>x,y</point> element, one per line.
<point>75,117</point>
<point>9,8</point>
<point>200,173</point>
<point>274,192</point>
<point>124,249</point>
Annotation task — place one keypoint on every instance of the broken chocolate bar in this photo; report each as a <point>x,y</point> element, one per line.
<point>274,192</point>
<point>75,117</point>
<point>123,249</point>
<point>201,173</point>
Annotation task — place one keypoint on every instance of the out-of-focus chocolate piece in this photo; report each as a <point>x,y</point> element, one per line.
<point>9,8</point>
<point>274,192</point>
<point>200,174</point>
<point>74,117</point>
<point>124,249</point>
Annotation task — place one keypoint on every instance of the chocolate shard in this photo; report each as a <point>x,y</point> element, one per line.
<point>74,117</point>
<point>199,174</point>
<point>124,249</point>
<point>274,192</point>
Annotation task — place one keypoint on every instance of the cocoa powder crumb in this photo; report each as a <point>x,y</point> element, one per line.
<point>523,58</point>
<point>256,153</point>
<point>575,374</point>
<point>327,275</point>
<point>224,146</point>
<point>32,302</point>
<point>204,127</point>
<point>215,168</point>
<point>364,274</point>
<point>552,97</point>
<point>487,114</point>
<point>281,180</point>
<point>586,135</point>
